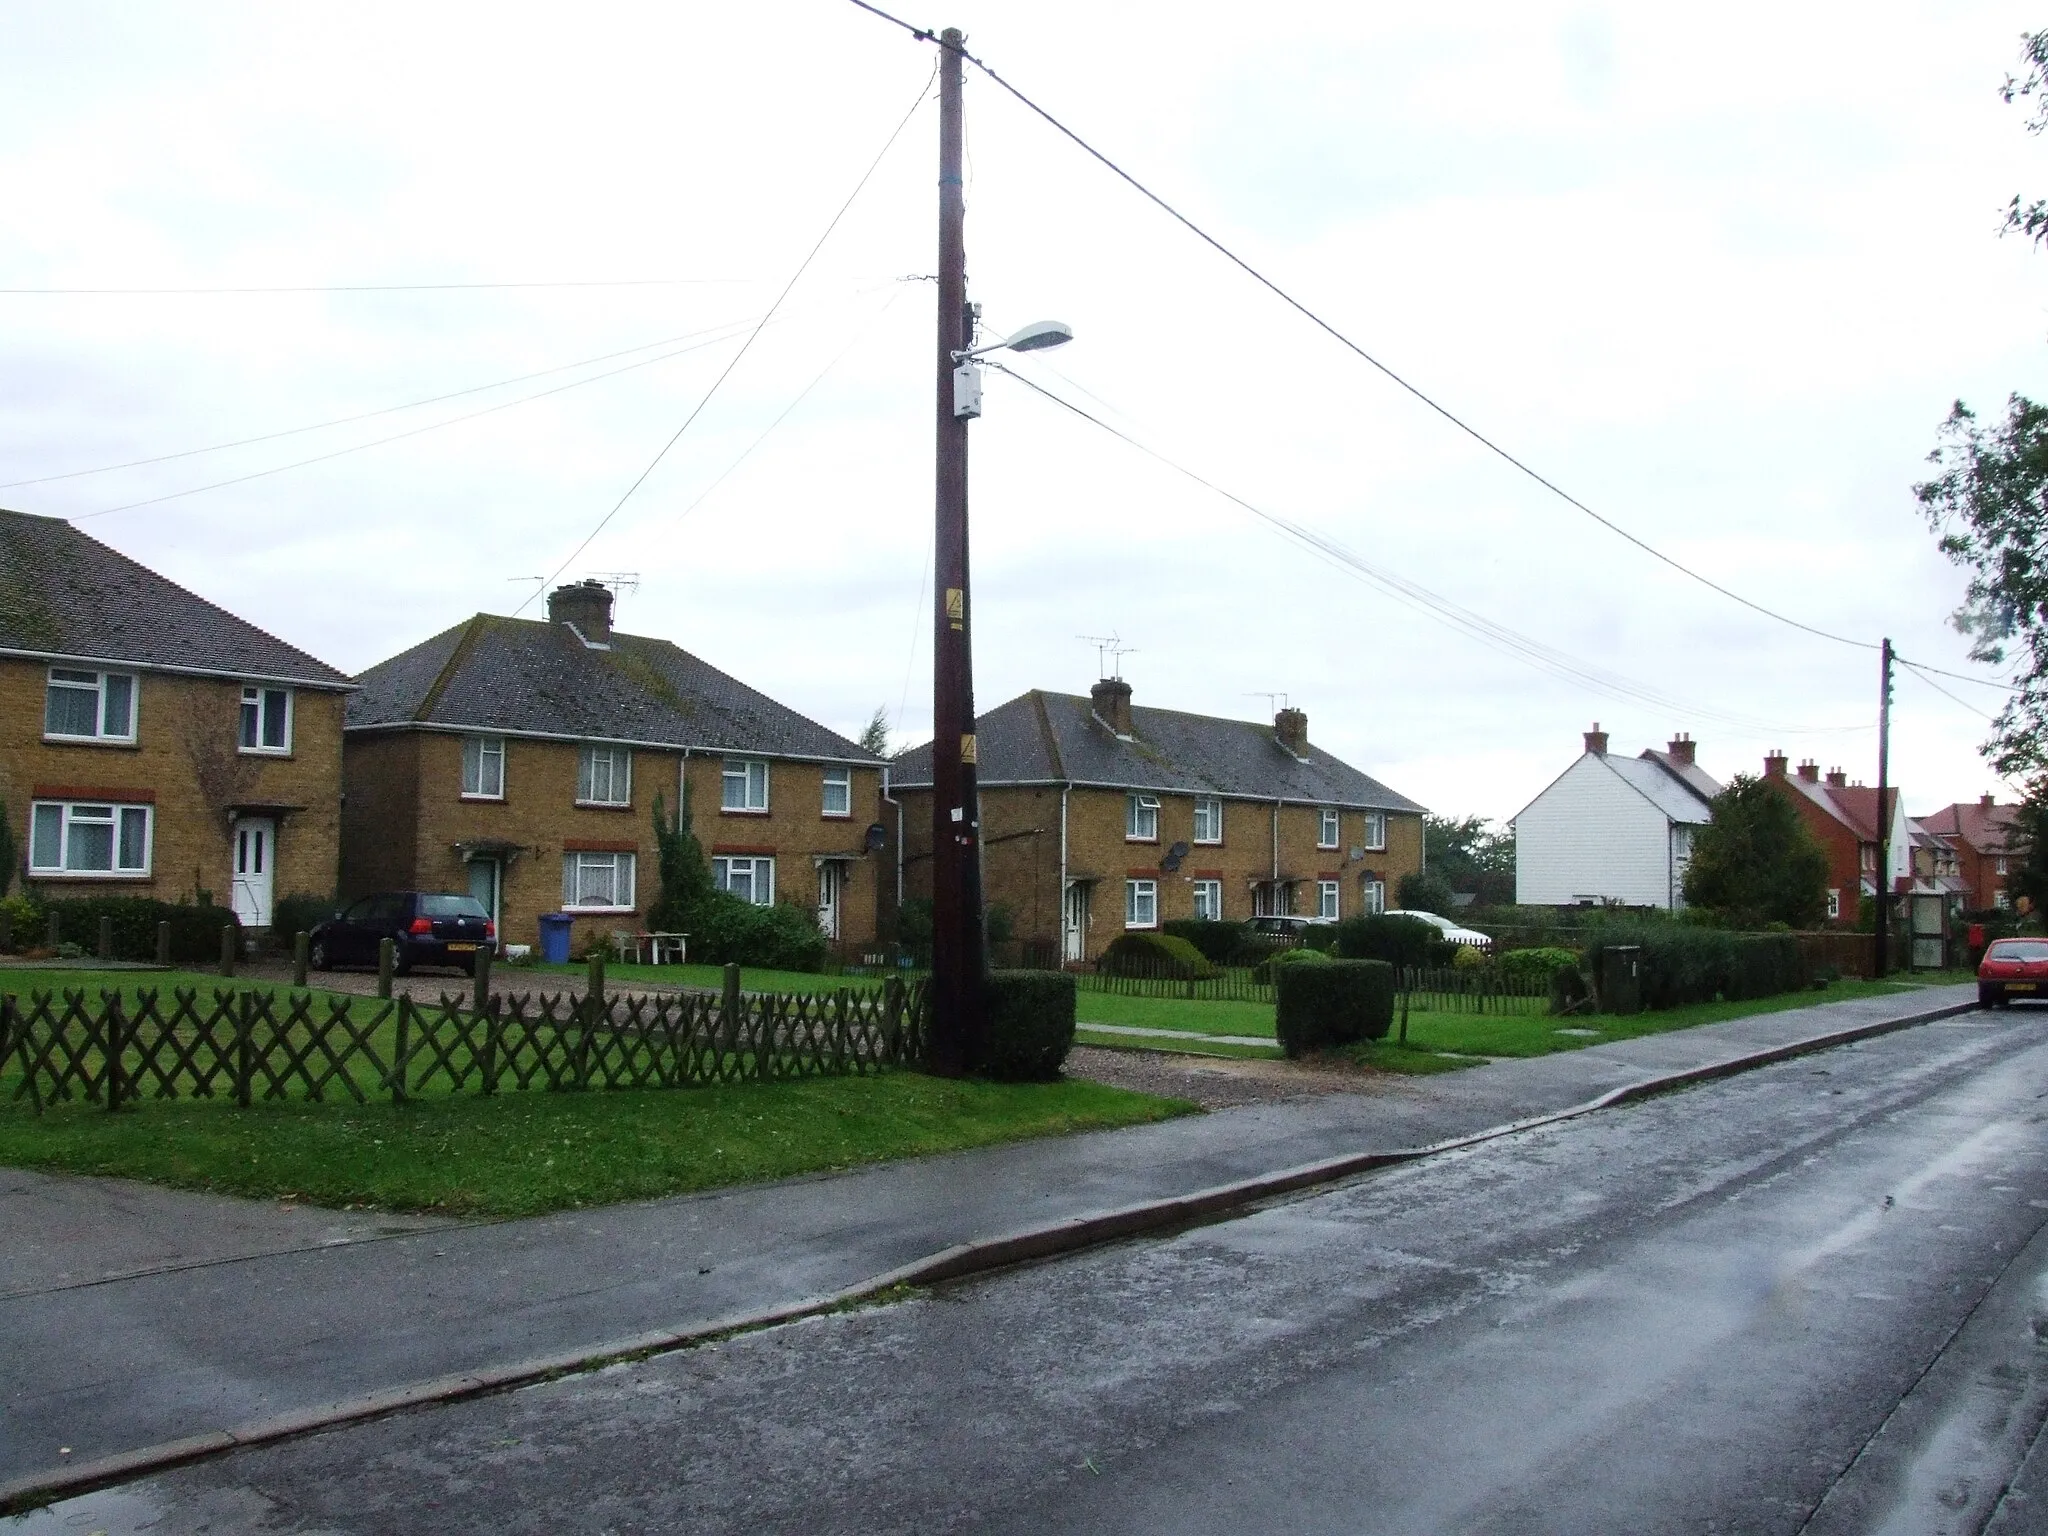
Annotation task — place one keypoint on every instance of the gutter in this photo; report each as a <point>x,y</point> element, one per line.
<point>512,734</point>
<point>115,663</point>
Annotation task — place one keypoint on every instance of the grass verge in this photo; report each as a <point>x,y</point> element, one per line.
<point>522,1154</point>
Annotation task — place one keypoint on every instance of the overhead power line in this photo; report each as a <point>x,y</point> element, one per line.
<point>1488,632</point>
<point>802,267</point>
<point>623,282</point>
<point>1921,673</point>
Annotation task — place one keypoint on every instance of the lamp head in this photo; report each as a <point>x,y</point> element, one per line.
<point>1039,335</point>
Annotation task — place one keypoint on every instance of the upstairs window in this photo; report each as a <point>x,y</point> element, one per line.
<point>1141,818</point>
<point>1208,819</point>
<point>838,792</point>
<point>1376,831</point>
<point>1141,903</point>
<point>745,784</point>
<point>604,776</point>
<point>266,719</point>
<point>483,767</point>
<point>89,706</point>
<point>1327,831</point>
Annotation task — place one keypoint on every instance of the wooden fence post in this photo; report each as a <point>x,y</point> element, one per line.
<point>487,1008</point>
<point>398,1047</point>
<point>302,947</point>
<point>112,1080</point>
<point>106,949</point>
<point>6,932</point>
<point>163,945</point>
<point>480,993</point>
<point>228,934</point>
<point>593,1005</point>
<point>245,1063</point>
<point>892,1019</point>
<point>387,962</point>
<point>730,1016</point>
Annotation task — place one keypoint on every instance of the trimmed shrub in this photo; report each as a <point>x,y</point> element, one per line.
<point>1220,943</point>
<point>1030,1026</point>
<point>1154,954</point>
<point>1331,1004</point>
<point>298,913</point>
<point>1407,942</point>
<point>728,931</point>
<point>1681,964</point>
<point>1280,958</point>
<point>1537,965</point>
<point>1469,957</point>
<point>195,930</point>
<point>1319,936</point>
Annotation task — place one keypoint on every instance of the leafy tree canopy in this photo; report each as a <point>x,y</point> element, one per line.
<point>1756,863</point>
<point>2030,218</point>
<point>1470,855</point>
<point>876,736</point>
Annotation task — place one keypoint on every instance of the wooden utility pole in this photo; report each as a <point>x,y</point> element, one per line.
<point>1884,820</point>
<point>959,946</point>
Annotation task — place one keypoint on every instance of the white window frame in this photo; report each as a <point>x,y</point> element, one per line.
<point>1376,831</point>
<point>1141,818</point>
<point>750,773</point>
<point>1209,808</point>
<point>82,680</point>
<point>479,752</point>
<point>623,868</point>
<point>69,814</point>
<point>760,868</point>
<point>1327,899</point>
<point>1373,894</point>
<point>840,779</point>
<point>1834,904</point>
<point>260,696</point>
<point>1141,897</point>
<point>618,774</point>
<point>1209,893</point>
<point>1329,829</point>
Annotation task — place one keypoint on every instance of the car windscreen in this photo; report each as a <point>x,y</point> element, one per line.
<point>451,906</point>
<point>2019,949</point>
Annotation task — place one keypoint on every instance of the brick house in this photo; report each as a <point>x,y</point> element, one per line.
<point>1844,820</point>
<point>1977,834</point>
<point>1099,817</point>
<point>519,760</point>
<point>153,744</point>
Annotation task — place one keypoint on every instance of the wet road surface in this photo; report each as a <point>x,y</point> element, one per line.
<point>1812,1298</point>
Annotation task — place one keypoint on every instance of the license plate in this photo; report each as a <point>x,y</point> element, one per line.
<point>2019,986</point>
<point>461,949</point>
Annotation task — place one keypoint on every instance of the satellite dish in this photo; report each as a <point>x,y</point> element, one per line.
<point>1174,855</point>
<point>878,837</point>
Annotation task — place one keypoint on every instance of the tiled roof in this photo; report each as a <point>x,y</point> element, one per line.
<point>1041,737</point>
<point>1694,777</point>
<point>1671,792</point>
<point>65,594</point>
<point>534,677</point>
<point>1984,829</point>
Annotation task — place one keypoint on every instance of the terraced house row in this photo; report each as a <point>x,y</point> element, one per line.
<point>152,742</point>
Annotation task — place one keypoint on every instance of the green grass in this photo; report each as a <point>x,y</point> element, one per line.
<point>24,982</point>
<point>1083,1035</point>
<point>1176,1013</point>
<point>520,1154</point>
<point>709,978</point>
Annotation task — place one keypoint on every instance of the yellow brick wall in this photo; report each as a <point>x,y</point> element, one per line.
<point>185,752</point>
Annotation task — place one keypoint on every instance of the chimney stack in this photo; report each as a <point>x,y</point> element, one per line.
<point>1112,697</point>
<point>1774,764</point>
<point>1810,771</point>
<point>1596,740</point>
<point>1988,802</point>
<point>1291,726</point>
<point>1682,747</point>
<point>588,606</point>
<point>1837,779</point>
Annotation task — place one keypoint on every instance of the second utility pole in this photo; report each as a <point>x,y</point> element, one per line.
<point>959,949</point>
<point>1883,882</point>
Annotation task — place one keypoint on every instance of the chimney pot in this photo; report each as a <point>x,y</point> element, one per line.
<point>1838,778</point>
<point>1987,802</point>
<point>1112,698</point>
<point>1774,764</point>
<point>1682,747</point>
<point>1810,771</point>
<point>588,606</point>
<point>1291,726</point>
<point>1596,740</point>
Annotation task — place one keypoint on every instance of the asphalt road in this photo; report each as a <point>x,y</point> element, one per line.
<point>1812,1298</point>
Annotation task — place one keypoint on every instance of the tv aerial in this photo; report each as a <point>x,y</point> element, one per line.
<point>1110,652</point>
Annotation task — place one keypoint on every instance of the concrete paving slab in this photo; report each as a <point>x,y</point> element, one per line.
<point>170,1352</point>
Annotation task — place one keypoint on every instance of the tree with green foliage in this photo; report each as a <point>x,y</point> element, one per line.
<point>2026,841</point>
<point>1472,857</point>
<point>1756,863</point>
<point>876,736</point>
<point>2030,218</point>
<point>1426,891</point>
<point>684,874</point>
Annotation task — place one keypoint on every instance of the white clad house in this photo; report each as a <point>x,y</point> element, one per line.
<point>1613,829</point>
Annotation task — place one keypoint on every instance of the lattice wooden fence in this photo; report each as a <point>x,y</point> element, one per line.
<point>257,1047</point>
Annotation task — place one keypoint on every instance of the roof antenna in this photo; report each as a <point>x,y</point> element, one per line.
<point>621,582</point>
<point>1274,701</point>
<point>1110,652</point>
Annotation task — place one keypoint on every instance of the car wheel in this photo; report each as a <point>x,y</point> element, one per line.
<point>316,955</point>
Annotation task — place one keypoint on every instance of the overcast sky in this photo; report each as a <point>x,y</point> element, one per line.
<point>1718,273</point>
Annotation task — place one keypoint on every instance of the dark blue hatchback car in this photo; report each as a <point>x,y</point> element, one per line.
<point>425,928</point>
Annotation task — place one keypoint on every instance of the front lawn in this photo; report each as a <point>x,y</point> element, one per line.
<point>707,978</point>
<point>1175,1013</point>
<point>518,1154</point>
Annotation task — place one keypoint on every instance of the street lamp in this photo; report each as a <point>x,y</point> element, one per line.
<point>958,1020</point>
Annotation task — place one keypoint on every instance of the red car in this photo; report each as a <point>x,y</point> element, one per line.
<point>2012,968</point>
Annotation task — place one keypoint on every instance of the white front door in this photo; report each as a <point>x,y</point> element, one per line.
<point>1074,920</point>
<point>255,872</point>
<point>831,887</point>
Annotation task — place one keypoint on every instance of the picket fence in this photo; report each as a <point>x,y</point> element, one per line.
<point>258,1047</point>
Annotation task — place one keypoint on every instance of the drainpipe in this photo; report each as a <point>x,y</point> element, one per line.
<point>1273,886</point>
<point>1063,881</point>
<point>889,799</point>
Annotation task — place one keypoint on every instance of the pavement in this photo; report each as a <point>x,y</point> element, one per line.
<point>140,1327</point>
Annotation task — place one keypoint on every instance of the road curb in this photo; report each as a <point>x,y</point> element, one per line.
<point>1026,1245</point>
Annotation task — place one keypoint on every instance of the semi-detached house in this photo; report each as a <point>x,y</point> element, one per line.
<point>151,742</point>
<point>1099,818</point>
<point>1613,829</point>
<point>519,760</point>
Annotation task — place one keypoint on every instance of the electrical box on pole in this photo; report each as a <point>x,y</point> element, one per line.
<point>967,391</point>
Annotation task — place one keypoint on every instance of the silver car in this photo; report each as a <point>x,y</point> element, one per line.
<point>1450,930</point>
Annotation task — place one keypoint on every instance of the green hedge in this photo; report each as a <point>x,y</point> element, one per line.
<point>724,930</point>
<point>1334,1003</point>
<point>1154,954</point>
<point>1219,942</point>
<point>195,930</point>
<point>1681,965</point>
<point>1281,958</point>
<point>1537,964</point>
<point>1030,1026</point>
<point>1403,941</point>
